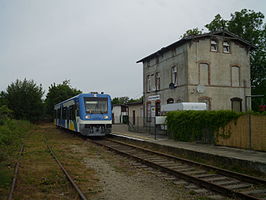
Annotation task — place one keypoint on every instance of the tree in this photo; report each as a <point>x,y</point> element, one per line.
<point>3,99</point>
<point>191,32</point>
<point>25,99</point>
<point>120,100</point>
<point>58,93</point>
<point>125,100</point>
<point>217,24</point>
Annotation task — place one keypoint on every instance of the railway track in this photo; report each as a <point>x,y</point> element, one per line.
<point>224,182</point>
<point>69,178</point>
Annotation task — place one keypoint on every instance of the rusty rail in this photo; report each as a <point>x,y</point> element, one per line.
<point>12,188</point>
<point>80,193</point>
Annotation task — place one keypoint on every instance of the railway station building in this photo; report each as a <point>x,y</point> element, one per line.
<point>213,68</point>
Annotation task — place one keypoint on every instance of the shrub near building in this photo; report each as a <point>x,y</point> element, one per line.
<point>191,126</point>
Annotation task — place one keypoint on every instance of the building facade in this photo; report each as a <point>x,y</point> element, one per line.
<point>213,68</point>
<point>135,114</point>
<point>119,114</point>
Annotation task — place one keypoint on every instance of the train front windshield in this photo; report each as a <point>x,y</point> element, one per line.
<point>95,105</point>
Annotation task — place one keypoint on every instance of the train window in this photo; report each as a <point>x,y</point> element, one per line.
<point>64,114</point>
<point>67,113</point>
<point>77,108</point>
<point>72,112</point>
<point>95,105</point>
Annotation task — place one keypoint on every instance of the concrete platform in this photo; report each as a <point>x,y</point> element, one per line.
<point>254,160</point>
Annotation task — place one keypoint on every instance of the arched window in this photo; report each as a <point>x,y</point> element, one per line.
<point>235,76</point>
<point>148,82</point>
<point>236,104</point>
<point>174,75</point>
<point>157,81</point>
<point>204,78</point>
<point>170,100</point>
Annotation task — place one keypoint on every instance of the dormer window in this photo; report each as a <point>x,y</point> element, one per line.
<point>214,46</point>
<point>226,47</point>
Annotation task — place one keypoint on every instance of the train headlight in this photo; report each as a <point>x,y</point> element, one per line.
<point>105,117</point>
<point>87,117</point>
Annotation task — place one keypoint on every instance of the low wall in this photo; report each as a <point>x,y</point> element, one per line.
<point>248,132</point>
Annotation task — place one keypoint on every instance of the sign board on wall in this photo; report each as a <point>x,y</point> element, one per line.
<point>154,98</point>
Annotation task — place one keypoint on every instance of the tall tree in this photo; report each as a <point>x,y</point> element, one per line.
<point>3,99</point>
<point>25,99</point>
<point>58,93</point>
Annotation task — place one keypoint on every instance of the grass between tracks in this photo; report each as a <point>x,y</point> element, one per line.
<point>40,177</point>
<point>12,133</point>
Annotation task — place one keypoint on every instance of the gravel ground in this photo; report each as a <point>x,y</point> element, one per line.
<point>118,180</point>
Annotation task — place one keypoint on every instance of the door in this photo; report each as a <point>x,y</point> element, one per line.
<point>134,117</point>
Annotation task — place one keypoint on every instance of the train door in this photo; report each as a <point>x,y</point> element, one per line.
<point>77,114</point>
<point>67,116</point>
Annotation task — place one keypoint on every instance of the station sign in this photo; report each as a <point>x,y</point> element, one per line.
<point>154,98</point>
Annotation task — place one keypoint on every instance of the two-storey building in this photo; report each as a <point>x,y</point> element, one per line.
<point>212,68</point>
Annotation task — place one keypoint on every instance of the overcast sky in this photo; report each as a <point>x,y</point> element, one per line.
<point>96,43</point>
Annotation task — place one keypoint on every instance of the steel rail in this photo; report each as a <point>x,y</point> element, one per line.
<point>239,176</point>
<point>14,180</point>
<point>208,185</point>
<point>80,193</point>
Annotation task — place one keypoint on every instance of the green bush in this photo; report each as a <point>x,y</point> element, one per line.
<point>11,134</point>
<point>194,125</point>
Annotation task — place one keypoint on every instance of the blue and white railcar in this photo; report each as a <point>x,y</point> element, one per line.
<point>89,114</point>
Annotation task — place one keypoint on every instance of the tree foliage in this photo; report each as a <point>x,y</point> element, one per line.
<point>57,93</point>
<point>191,32</point>
<point>125,100</point>
<point>3,99</point>
<point>25,99</point>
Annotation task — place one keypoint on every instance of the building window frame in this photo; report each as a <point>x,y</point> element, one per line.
<point>207,100</point>
<point>157,81</point>
<point>209,73</point>
<point>214,45</point>
<point>174,75</point>
<point>170,101</point>
<point>231,75</point>
<point>226,47</point>
<point>236,99</point>
<point>148,82</point>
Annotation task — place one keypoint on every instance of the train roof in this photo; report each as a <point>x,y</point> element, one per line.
<point>83,95</point>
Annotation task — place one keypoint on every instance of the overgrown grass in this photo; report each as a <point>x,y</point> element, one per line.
<point>193,125</point>
<point>11,134</point>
